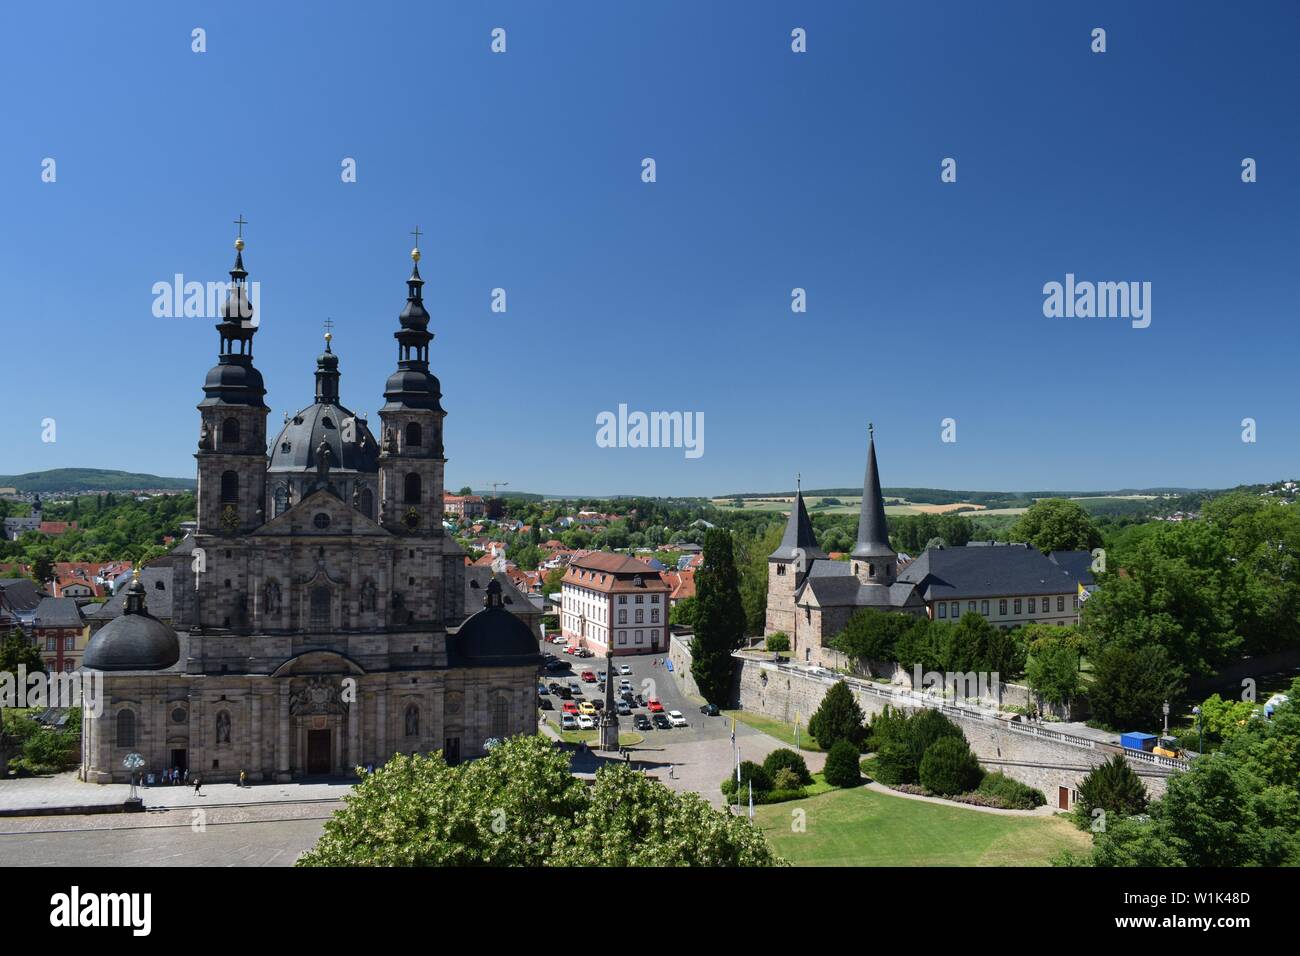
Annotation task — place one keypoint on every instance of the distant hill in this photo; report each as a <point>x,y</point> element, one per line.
<point>91,479</point>
<point>941,496</point>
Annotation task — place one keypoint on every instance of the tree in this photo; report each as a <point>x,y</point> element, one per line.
<point>1113,787</point>
<point>949,768</point>
<point>1053,671</point>
<point>841,768</point>
<point>1130,685</point>
<point>1221,719</point>
<point>750,773</point>
<point>837,718</point>
<point>872,635</point>
<point>778,643</point>
<point>521,806</point>
<point>43,568</point>
<point>719,621</point>
<point>684,612</point>
<point>1055,524</point>
<point>466,490</point>
<point>553,583</point>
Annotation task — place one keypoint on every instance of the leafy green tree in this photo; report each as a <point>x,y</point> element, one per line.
<point>720,619</point>
<point>841,768</point>
<point>1055,524</point>
<point>783,758</point>
<point>837,718</point>
<point>1113,787</point>
<point>521,806</point>
<point>778,643</point>
<point>750,772</point>
<point>873,635</point>
<point>43,568</point>
<point>949,768</point>
<point>1053,671</point>
<point>1130,685</point>
<point>684,612</point>
<point>1221,719</point>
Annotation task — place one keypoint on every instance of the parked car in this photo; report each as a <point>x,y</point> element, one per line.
<point>624,710</point>
<point>543,689</point>
<point>638,701</point>
<point>568,722</point>
<point>586,722</point>
<point>555,666</point>
<point>654,705</point>
<point>544,703</point>
<point>624,669</point>
<point>600,676</point>
<point>586,707</point>
<point>709,710</point>
<point>588,677</point>
<point>661,722</point>
<point>641,722</point>
<point>676,719</point>
<point>575,687</point>
<point>598,704</point>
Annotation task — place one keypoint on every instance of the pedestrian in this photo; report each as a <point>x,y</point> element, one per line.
<point>197,783</point>
<point>243,778</point>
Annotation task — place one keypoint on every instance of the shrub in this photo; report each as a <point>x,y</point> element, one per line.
<point>949,767</point>
<point>778,642</point>
<point>786,759</point>
<point>1114,787</point>
<point>842,765</point>
<point>1010,794</point>
<point>748,771</point>
<point>838,718</point>
<point>787,778</point>
<point>894,764</point>
<point>901,740</point>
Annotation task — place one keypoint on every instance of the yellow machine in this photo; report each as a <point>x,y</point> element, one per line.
<point>1167,747</point>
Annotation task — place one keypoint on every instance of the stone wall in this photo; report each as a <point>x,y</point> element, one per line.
<point>1033,754</point>
<point>679,652</point>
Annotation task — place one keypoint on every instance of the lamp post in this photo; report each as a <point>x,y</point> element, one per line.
<point>1165,707</point>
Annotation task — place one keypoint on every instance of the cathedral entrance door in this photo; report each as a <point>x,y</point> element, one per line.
<point>451,750</point>
<point>318,751</point>
<point>180,760</point>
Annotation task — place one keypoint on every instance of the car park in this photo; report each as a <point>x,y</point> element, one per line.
<point>676,719</point>
<point>661,721</point>
<point>654,705</point>
<point>568,722</point>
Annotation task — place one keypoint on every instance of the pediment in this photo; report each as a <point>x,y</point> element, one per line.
<point>302,519</point>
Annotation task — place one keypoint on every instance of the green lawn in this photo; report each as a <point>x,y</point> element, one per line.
<point>860,827</point>
<point>779,729</point>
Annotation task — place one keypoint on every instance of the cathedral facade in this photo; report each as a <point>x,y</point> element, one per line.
<point>317,613</point>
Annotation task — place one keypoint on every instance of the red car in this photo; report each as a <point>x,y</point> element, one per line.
<point>570,707</point>
<point>589,677</point>
<point>654,705</point>
<point>569,650</point>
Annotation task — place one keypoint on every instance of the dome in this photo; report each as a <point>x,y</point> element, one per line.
<point>136,641</point>
<point>413,388</point>
<point>294,449</point>
<point>234,381</point>
<point>494,636</point>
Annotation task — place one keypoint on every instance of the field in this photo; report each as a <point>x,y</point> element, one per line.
<point>893,506</point>
<point>861,827</point>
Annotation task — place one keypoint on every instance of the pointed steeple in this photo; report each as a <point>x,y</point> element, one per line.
<point>799,534</point>
<point>411,386</point>
<point>234,380</point>
<point>873,532</point>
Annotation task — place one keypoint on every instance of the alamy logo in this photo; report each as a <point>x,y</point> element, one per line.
<point>651,430</point>
<point>204,300</point>
<point>38,689</point>
<point>971,685</point>
<point>1102,300</point>
<point>102,909</point>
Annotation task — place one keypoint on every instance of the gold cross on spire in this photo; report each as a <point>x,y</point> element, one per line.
<point>415,253</point>
<point>329,331</point>
<point>241,222</point>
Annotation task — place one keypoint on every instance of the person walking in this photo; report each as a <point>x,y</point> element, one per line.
<point>243,779</point>
<point>197,783</point>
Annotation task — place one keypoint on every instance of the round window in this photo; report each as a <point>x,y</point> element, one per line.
<point>322,520</point>
<point>178,715</point>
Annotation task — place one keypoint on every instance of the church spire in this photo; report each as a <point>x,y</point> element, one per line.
<point>327,372</point>
<point>411,386</point>
<point>234,380</point>
<point>799,536</point>
<point>873,532</point>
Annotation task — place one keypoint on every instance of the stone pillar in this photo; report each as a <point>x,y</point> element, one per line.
<point>381,724</point>
<point>354,734</point>
<point>255,734</point>
<point>282,774</point>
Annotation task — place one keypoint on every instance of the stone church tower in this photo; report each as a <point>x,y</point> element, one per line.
<point>787,567</point>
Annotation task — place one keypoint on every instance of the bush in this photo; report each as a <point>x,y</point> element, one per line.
<point>748,771</point>
<point>949,767</point>
<point>894,764</point>
<point>901,740</point>
<point>1114,787</point>
<point>842,765</point>
<point>1010,794</point>
<point>786,759</point>
<point>778,642</point>
<point>838,718</point>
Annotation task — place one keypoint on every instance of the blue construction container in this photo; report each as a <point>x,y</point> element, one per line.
<point>1138,741</point>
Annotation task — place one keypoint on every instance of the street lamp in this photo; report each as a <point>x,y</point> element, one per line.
<point>1165,707</point>
<point>1200,734</point>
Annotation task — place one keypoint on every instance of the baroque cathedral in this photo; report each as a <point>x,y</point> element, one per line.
<point>317,617</point>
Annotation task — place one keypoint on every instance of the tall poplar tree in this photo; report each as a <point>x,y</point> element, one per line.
<point>719,619</point>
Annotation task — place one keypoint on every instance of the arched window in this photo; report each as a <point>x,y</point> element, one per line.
<point>229,487</point>
<point>412,721</point>
<point>500,716</point>
<point>125,728</point>
<point>413,489</point>
<point>230,431</point>
<point>413,435</point>
<point>367,502</point>
<point>281,500</point>
<point>320,607</point>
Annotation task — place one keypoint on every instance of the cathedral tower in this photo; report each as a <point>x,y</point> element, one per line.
<point>787,567</point>
<point>874,561</point>
<point>411,458</point>
<point>232,431</point>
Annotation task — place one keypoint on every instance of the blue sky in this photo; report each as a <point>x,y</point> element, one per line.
<point>775,170</point>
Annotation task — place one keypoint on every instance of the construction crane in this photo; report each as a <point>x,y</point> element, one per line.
<point>495,485</point>
<point>495,508</point>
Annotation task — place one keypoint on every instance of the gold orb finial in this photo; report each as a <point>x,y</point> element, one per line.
<point>239,245</point>
<point>415,254</point>
<point>329,336</point>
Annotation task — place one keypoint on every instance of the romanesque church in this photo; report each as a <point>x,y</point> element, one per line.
<point>317,613</point>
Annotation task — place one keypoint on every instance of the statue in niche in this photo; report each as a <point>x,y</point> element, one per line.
<point>368,596</point>
<point>272,597</point>
<point>390,441</point>
<point>205,437</point>
<point>412,721</point>
<point>223,727</point>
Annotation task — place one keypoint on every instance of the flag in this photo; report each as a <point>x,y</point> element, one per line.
<point>751,799</point>
<point>1084,594</point>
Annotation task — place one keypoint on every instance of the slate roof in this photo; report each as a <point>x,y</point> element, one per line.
<point>798,535</point>
<point>158,601</point>
<point>981,571</point>
<point>20,594</point>
<point>58,612</point>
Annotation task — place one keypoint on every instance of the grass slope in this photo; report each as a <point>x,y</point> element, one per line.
<point>860,827</point>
